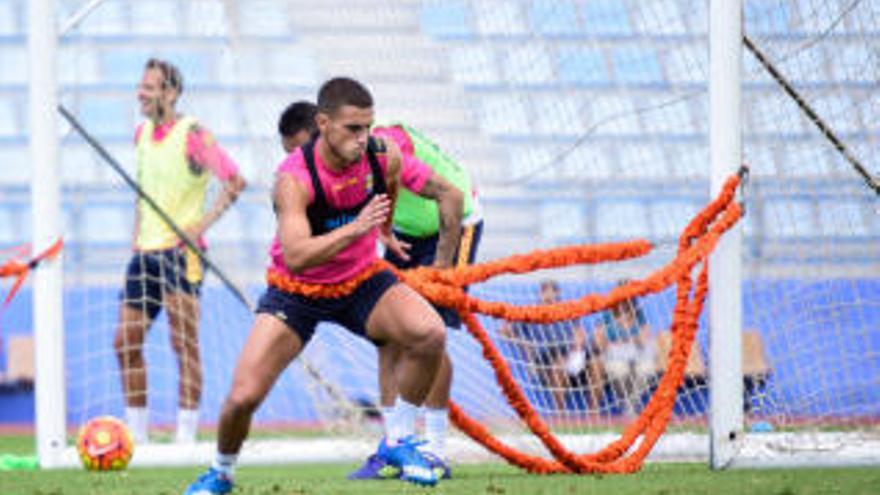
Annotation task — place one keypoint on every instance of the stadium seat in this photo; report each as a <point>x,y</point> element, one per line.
<point>9,19</point>
<point>554,17</point>
<point>841,217</point>
<point>669,217</point>
<point>12,56</point>
<point>264,18</point>
<point>10,124</point>
<point>124,65</point>
<point>625,220</point>
<point>107,223</point>
<point>562,221</point>
<point>558,115</point>
<point>9,234</point>
<point>528,65</point>
<point>445,19</point>
<point>766,17</point>
<point>787,218</point>
<point>500,18</point>
<point>501,114</point>
<point>473,66</point>
<point>149,18</point>
<point>205,18</point>
<point>15,170</point>
<point>636,65</point>
<point>581,66</point>
<point>110,20</point>
<point>107,116</point>
<point>605,17</point>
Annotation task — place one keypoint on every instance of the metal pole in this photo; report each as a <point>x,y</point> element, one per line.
<point>51,403</point>
<point>725,264</point>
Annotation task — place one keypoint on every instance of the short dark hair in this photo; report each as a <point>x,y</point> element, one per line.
<point>171,76</point>
<point>298,116</point>
<point>341,91</point>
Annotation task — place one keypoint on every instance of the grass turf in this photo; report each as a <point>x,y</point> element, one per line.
<point>490,479</point>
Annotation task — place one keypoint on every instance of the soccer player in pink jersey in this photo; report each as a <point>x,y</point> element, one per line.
<point>418,221</point>
<point>176,158</point>
<point>333,198</point>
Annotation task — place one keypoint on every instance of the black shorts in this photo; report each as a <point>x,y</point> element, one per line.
<point>151,274</point>
<point>424,249</point>
<point>302,314</point>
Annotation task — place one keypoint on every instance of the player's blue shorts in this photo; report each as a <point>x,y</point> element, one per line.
<point>152,274</point>
<point>424,249</point>
<point>302,314</point>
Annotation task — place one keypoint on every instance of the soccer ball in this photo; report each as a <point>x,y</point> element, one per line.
<point>104,444</point>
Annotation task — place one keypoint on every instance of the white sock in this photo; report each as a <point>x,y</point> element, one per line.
<point>225,463</point>
<point>137,421</point>
<point>436,424</point>
<point>187,425</point>
<point>387,419</point>
<point>403,420</point>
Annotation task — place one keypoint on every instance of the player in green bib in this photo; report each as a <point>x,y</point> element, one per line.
<point>417,222</point>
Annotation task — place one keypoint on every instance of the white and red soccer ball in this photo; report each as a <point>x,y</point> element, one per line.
<point>104,444</point>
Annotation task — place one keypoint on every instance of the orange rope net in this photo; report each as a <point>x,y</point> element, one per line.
<point>446,288</point>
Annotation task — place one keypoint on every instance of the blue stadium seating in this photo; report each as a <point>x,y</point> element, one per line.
<point>582,66</point>
<point>554,17</point>
<point>606,17</point>
<point>446,19</point>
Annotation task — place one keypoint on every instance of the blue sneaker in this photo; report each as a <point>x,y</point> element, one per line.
<point>375,468</point>
<point>412,464</point>
<point>212,482</point>
<point>441,469</point>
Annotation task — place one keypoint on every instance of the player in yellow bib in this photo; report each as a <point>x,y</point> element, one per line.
<point>417,222</point>
<point>176,159</point>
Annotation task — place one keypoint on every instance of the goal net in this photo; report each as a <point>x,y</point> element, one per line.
<point>582,122</point>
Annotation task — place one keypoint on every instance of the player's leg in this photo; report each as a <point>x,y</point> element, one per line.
<point>139,306</point>
<point>182,276</point>
<point>404,318</point>
<point>183,318</point>
<point>269,349</point>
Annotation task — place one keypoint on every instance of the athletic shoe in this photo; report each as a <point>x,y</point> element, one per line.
<point>440,467</point>
<point>405,456</point>
<point>212,482</point>
<point>376,467</point>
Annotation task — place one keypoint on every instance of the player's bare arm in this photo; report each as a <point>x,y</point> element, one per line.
<point>302,250</point>
<point>450,205</point>
<point>231,187</point>
<point>392,182</point>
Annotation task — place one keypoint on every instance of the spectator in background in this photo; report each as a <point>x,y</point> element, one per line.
<point>546,346</point>
<point>623,338</point>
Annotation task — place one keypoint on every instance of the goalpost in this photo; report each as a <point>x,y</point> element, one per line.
<point>583,122</point>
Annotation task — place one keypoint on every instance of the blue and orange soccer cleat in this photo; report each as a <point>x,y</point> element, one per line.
<point>440,467</point>
<point>212,482</point>
<point>376,467</point>
<point>405,456</point>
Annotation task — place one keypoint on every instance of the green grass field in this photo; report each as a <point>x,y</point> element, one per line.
<point>490,479</point>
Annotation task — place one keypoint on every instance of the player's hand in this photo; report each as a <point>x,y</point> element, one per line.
<point>373,215</point>
<point>193,233</point>
<point>395,245</point>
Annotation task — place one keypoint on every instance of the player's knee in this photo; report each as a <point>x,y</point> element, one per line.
<point>126,347</point>
<point>431,338</point>
<point>243,399</point>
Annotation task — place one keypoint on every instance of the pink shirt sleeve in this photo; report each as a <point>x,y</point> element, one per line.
<point>202,148</point>
<point>414,173</point>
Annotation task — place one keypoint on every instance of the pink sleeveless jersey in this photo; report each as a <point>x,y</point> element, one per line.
<point>344,189</point>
